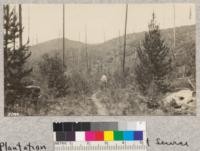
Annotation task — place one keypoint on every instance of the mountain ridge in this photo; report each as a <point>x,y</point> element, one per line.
<point>184,35</point>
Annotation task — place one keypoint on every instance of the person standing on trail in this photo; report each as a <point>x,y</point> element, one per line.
<point>104,81</point>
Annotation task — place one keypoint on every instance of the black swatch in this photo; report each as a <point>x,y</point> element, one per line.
<point>77,126</point>
<point>60,136</point>
<point>57,127</point>
<point>85,126</point>
<point>68,126</point>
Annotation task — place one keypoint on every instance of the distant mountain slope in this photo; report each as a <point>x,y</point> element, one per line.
<point>185,39</point>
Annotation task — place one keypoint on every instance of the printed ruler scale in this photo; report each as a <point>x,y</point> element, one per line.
<point>99,136</point>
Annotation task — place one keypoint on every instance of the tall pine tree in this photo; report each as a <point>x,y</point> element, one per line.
<point>15,56</point>
<point>154,60</point>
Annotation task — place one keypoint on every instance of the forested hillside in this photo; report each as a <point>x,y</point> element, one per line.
<point>111,51</point>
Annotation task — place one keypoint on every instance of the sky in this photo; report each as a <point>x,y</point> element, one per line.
<point>43,22</point>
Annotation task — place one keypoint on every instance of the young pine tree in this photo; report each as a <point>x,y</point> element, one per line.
<point>15,56</point>
<point>154,61</point>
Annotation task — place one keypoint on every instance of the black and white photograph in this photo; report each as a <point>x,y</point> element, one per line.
<point>99,59</point>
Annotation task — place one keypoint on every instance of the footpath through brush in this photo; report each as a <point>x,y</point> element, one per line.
<point>101,108</point>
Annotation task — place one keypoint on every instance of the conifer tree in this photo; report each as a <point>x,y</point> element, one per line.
<point>15,56</point>
<point>155,60</point>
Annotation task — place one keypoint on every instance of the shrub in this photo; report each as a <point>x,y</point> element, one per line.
<point>79,83</point>
<point>51,68</point>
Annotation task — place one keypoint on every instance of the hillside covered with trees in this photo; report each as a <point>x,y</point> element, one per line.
<point>154,70</point>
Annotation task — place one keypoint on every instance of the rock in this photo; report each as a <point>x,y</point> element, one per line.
<point>181,100</point>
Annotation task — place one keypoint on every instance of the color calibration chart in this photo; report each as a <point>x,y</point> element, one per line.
<point>99,136</point>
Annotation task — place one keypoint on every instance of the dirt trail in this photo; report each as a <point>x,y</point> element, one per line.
<point>101,109</point>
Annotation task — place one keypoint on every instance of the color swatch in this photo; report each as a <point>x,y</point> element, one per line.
<point>95,131</point>
<point>108,136</point>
